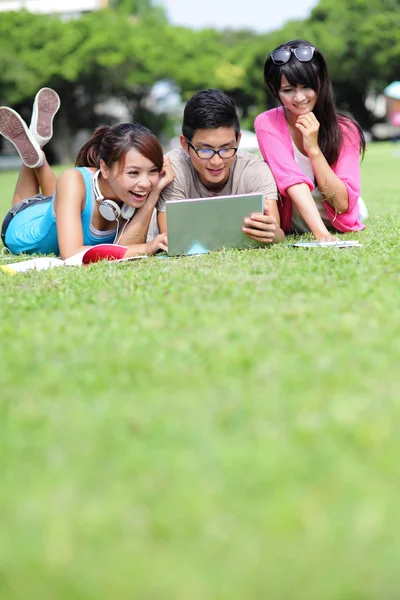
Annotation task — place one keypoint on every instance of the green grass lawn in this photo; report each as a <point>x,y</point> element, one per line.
<point>222,427</point>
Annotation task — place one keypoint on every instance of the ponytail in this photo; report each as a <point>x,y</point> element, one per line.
<point>88,155</point>
<point>111,144</point>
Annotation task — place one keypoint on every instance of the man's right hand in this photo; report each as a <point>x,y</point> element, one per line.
<point>260,228</point>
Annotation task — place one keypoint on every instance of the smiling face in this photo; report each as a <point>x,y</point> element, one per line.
<point>213,172</point>
<point>298,99</point>
<point>132,181</point>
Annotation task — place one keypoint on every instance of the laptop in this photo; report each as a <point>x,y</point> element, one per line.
<point>201,225</point>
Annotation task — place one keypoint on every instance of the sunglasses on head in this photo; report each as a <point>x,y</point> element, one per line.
<point>281,56</point>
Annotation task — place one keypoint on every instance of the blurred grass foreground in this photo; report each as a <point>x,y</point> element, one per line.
<point>212,427</point>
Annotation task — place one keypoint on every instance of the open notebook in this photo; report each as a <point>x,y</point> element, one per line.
<point>93,254</point>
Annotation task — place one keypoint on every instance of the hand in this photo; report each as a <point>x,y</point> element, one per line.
<point>260,228</point>
<point>308,126</point>
<point>326,237</point>
<point>160,242</point>
<point>166,175</point>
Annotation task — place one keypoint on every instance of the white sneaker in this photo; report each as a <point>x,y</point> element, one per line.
<point>45,106</point>
<point>15,130</point>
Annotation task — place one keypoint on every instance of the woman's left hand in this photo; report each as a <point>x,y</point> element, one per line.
<point>166,175</point>
<point>308,126</point>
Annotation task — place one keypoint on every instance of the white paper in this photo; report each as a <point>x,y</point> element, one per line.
<point>342,244</point>
<point>74,260</point>
<point>48,262</point>
<point>40,264</point>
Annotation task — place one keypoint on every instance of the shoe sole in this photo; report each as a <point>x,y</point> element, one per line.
<point>14,129</point>
<point>47,103</point>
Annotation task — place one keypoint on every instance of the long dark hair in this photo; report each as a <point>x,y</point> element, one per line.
<point>111,144</point>
<point>314,74</point>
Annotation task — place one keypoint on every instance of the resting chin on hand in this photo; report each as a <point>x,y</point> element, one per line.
<point>264,228</point>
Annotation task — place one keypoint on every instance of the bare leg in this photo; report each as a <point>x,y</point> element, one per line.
<point>46,178</point>
<point>27,185</point>
<point>31,181</point>
<point>33,176</point>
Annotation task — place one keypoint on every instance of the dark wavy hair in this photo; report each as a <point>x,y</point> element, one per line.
<point>111,144</point>
<point>314,74</point>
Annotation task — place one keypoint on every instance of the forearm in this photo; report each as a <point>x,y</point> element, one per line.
<point>271,208</point>
<point>332,188</point>
<point>162,222</point>
<point>302,199</point>
<point>71,251</point>
<point>138,249</point>
<point>135,232</point>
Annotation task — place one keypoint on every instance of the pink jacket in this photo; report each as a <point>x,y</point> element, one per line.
<point>276,147</point>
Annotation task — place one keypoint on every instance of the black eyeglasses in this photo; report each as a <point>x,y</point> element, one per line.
<point>207,153</point>
<point>281,56</point>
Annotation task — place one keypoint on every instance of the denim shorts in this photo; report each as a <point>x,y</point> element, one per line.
<point>38,199</point>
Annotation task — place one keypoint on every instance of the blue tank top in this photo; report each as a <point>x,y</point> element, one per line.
<point>34,230</point>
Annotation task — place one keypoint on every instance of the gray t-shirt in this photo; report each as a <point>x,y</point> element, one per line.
<point>249,174</point>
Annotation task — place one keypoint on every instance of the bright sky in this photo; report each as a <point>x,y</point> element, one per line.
<point>259,15</point>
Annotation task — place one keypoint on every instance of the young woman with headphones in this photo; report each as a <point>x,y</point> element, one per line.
<point>111,196</point>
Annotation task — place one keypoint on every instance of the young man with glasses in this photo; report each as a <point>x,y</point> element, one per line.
<point>210,163</point>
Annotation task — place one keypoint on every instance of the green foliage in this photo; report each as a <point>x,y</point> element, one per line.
<point>139,8</point>
<point>361,43</point>
<point>359,39</point>
<point>27,53</point>
<point>122,51</point>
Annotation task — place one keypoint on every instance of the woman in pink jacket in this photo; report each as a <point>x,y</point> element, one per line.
<point>311,148</point>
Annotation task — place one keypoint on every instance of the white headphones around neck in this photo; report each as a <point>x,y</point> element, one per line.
<point>108,208</point>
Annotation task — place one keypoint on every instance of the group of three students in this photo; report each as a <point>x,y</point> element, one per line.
<point>117,192</point>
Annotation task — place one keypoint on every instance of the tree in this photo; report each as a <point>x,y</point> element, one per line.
<point>361,42</point>
<point>359,39</point>
<point>123,50</point>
